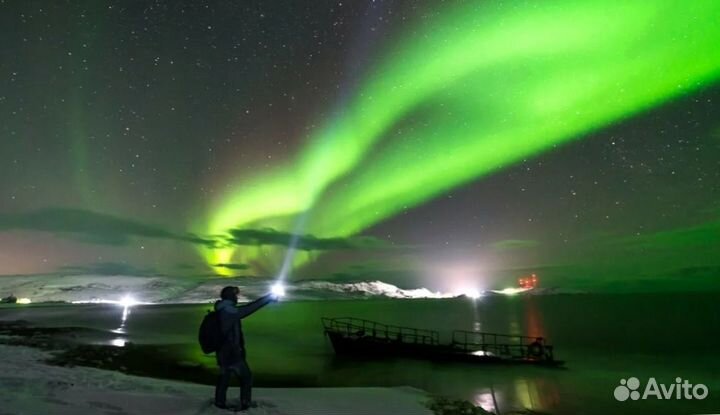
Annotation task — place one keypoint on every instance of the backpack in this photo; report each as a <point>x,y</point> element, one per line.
<point>210,335</point>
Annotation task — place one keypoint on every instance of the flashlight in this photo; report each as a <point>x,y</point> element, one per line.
<point>278,289</point>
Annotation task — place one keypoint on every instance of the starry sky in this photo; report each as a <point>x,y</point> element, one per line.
<point>425,143</point>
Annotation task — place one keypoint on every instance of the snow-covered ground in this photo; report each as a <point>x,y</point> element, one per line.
<point>30,387</point>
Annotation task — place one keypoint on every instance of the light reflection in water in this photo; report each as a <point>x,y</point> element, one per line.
<point>533,320</point>
<point>125,314</point>
<point>519,395</point>
<point>477,326</point>
<point>514,394</point>
<point>524,392</point>
<point>488,400</point>
<point>120,342</point>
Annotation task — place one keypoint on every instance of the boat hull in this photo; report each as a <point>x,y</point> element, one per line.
<point>369,347</point>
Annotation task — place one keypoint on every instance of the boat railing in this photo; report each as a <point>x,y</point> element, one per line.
<point>359,328</point>
<point>501,345</point>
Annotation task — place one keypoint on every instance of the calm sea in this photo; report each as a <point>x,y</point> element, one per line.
<point>602,339</point>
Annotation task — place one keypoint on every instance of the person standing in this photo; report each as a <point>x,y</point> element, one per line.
<point>231,356</point>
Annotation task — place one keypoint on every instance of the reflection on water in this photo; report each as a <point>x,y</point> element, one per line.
<point>487,400</point>
<point>526,394</point>
<point>477,323</point>
<point>120,341</point>
<point>533,319</point>
<point>521,394</point>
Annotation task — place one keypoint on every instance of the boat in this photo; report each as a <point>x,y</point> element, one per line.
<point>358,337</point>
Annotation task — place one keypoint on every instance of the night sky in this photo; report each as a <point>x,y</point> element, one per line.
<point>428,143</point>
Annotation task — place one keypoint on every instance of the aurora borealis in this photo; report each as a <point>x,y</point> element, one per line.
<point>480,137</point>
<point>490,112</point>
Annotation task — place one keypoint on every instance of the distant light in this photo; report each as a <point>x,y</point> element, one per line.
<point>23,301</point>
<point>127,301</point>
<point>119,342</point>
<point>470,293</point>
<point>474,294</point>
<point>278,289</point>
<point>510,290</point>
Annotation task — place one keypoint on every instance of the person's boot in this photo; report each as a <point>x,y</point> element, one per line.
<point>220,400</point>
<point>221,405</point>
<point>245,405</point>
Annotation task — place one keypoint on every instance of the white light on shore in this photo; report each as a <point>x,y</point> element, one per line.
<point>469,292</point>
<point>278,289</point>
<point>127,301</point>
<point>474,294</point>
<point>23,301</point>
<point>119,342</point>
<point>510,290</point>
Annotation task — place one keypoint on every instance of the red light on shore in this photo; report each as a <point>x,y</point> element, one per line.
<point>528,282</point>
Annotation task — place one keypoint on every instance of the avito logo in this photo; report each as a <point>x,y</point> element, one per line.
<point>681,389</point>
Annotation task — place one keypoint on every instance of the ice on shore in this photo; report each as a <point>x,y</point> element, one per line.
<point>31,387</point>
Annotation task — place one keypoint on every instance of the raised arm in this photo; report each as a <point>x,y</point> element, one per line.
<point>247,309</point>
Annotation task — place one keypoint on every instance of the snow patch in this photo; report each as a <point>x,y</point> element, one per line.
<point>32,387</point>
<point>373,288</point>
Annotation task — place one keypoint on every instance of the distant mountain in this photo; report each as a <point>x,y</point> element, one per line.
<point>165,289</point>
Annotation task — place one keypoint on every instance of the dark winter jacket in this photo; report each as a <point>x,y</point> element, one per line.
<point>232,349</point>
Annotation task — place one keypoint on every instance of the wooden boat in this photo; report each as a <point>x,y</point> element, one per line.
<point>358,337</point>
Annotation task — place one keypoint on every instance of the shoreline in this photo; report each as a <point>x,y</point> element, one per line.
<point>53,364</point>
<point>34,387</point>
<point>158,361</point>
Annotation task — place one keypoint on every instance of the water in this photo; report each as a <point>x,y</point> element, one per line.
<point>602,338</point>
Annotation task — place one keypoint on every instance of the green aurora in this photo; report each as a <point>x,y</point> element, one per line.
<point>502,84</point>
